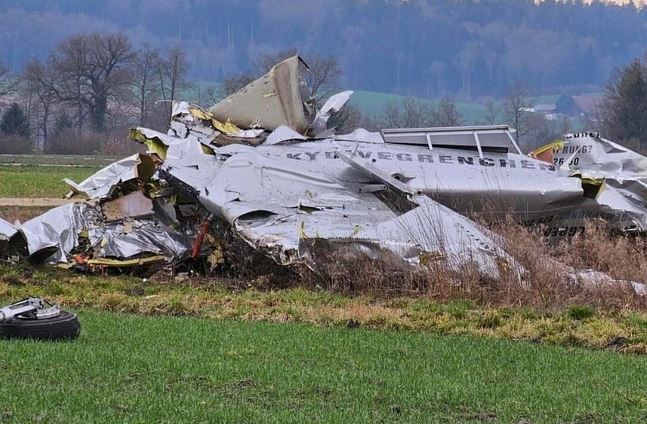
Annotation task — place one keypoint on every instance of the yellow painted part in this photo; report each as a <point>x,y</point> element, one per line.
<point>227,127</point>
<point>200,114</point>
<point>136,135</point>
<point>557,144</point>
<point>596,182</point>
<point>124,263</point>
<point>153,145</point>
<point>302,231</point>
<point>157,147</point>
<point>207,150</point>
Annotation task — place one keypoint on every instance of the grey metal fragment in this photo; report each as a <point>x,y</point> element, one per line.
<point>282,134</point>
<point>136,237</point>
<point>101,184</point>
<point>360,135</point>
<point>7,230</point>
<point>56,232</point>
<point>278,204</point>
<point>332,107</point>
<point>279,97</point>
<point>132,205</point>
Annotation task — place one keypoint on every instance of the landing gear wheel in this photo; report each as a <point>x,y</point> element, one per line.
<point>64,326</point>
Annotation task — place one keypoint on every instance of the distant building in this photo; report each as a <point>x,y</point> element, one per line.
<point>547,110</point>
<point>586,103</point>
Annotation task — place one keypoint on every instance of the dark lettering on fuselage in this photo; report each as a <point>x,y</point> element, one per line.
<point>425,158</point>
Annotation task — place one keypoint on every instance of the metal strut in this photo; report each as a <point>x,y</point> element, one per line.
<point>32,307</point>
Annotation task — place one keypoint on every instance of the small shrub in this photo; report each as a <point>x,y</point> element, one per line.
<point>15,145</point>
<point>68,142</point>
<point>580,312</point>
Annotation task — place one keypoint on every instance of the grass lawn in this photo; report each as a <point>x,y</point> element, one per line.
<point>40,181</point>
<point>617,329</point>
<point>127,368</point>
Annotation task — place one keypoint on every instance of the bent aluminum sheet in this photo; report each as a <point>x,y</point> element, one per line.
<point>101,184</point>
<point>332,107</point>
<point>137,237</point>
<point>57,230</point>
<point>277,204</point>
<point>622,172</point>
<point>7,230</point>
<point>52,236</point>
<point>279,97</point>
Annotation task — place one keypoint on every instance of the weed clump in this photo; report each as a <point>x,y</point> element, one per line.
<point>580,312</point>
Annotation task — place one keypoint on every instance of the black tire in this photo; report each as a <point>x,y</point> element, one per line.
<point>66,326</point>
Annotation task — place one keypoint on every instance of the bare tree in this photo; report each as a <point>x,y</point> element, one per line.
<point>515,109</point>
<point>69,60</point>
<point>492,113</point>
<point>145,81</point>
<point>172,74</point>
<point>446,114</point>
<point>234,83</point>
<point>40,82</point>
<point>406,113</point>
<point>208,96</point>
<point>266,61</point>
<point>348,119</point>
<point>7,81</point>
<point>91,70</point>
<point>322,78</point>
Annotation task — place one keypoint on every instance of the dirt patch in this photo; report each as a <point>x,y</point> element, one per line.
<point>21,213</point>
<point>33,201</point>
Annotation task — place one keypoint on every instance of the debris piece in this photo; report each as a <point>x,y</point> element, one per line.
<point>132,205</point>
<point>262,168</point>
<point>101,184</point>
<point>332,107</point>
<point>279,97</point>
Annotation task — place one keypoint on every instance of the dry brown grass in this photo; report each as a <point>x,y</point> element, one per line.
<point>547,284</point>
<point>622,330</point>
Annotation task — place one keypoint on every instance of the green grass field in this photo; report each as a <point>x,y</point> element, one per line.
<point>40,181</point>
<point>126,368</point>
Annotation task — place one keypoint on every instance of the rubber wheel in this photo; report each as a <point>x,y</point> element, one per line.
<point>63,327</point>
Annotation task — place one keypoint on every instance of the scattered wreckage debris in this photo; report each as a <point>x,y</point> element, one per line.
<point>263,167</point>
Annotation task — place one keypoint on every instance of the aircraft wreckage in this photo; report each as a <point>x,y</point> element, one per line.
<point>263,164</point>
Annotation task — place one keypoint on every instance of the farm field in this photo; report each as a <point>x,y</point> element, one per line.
<point>40,180</point>
<point>127,368</point>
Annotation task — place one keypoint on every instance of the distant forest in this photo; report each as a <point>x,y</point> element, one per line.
<point>466,48</point>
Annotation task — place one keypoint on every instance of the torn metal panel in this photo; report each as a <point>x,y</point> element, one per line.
<point>332,107</point>
<point>596,279</point>
<point>278,204</point>
<point>360,135</point>
<point>613,175</point>
<point>52,235</point>
<point>132,205</point>
<point>281,135</point>
<point>101,184</point>
<point>279,97</point>
<point>133,238</point>
<point>7,230</point>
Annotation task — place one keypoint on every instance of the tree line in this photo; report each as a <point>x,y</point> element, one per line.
<point>92,87</point>
<point>89,87</point>
<point>428,48</point>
